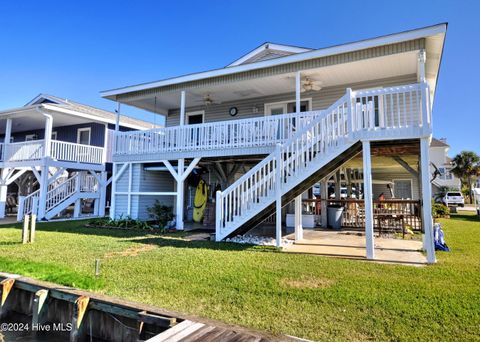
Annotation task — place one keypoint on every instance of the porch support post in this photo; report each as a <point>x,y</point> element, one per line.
<point>3,191</point>
<point>8,134</point>
<point>298,218</point>
<point>278,197</point>
<point>298,82</point>
<point>182,108</point>
<point>180,193</point>
<point>114,190</point>
<point>367,185</point>
<point>338,185</point>
<point>103,194</point>
<point>427,221</point>
<point>43,191</point>
<point>422,58</point>
<point>48,136</point>
<point>117,118</point>
<point>324,197</point>
<point>77,209</point>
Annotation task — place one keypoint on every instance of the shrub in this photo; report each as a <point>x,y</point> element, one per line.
<point>160,213</point>
<point>439,210</point>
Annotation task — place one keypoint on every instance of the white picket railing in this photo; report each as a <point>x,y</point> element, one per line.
<point>59,150</point>
<point>254,132</point>
<point>24,151</point>
<point>356,115</point>
<point>66,151</point>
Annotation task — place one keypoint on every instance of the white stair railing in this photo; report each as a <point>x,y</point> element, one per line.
<point>259,185</point>
<point>27,205</point>
<point>394,111</point>
<point>61,192</point>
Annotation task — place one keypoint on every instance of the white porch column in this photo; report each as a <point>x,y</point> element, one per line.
<point>103,194</point>
<point>117,118</point>
<point>180,194</point>
<point>5,171</point>
<point>43,191</point>
<point>278,197</point>
<point>3,191</point>
<point>48,136</point>
<point>298,218</point>
<point>298,84</point>
<point>182,108</point>
<point>422,58</point>
<point>367,188</point>
<point>114,190</point>
<point>323,204</point>
<point>77,209</point>
<point>428,242</point>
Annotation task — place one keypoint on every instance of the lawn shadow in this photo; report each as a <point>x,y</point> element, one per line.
<point>466,217</point>
<point>166,241</point>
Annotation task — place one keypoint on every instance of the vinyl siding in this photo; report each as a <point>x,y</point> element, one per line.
<point>154,181</point>
<point>320,100</point>
<point>67,133</point>
<point>391,176</point>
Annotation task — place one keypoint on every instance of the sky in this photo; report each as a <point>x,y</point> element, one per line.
<point>75,49</point>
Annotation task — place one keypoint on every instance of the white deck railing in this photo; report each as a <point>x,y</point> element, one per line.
<point>254,132</point>
<point>66,151</point>
<point>24,151</point>
<point>59,150</point>
<point>373,110</point>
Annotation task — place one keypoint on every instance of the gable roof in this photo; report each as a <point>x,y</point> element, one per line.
<point>100,114</point>
<point>438,143</point>
<point>268,51</point>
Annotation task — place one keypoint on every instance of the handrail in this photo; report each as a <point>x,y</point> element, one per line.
<point>254,132</point>
<point>355,115</point>
<point>60,150</point>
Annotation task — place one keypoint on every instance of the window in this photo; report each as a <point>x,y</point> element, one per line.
<point>54,135</point>
<point>195,117</point>
<point>403,188</point>
<point>83,136</point>
<point>31,137</point>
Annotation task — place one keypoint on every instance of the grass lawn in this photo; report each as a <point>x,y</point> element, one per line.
<point>307,296</point>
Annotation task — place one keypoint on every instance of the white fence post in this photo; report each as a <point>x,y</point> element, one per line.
<point>21,206</point>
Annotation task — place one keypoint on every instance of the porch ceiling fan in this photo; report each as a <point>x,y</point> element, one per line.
<point>309,84</point>
<point>208,100</point>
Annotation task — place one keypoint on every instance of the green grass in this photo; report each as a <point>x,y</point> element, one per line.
<point>256,287</point>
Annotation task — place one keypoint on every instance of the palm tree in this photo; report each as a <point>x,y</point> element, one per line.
<point>467,167</point>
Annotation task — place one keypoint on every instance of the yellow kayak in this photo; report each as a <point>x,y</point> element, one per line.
<point>200,201</point>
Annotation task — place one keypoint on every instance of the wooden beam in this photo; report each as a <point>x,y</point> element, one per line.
<point>405,165</point>
<point>7,285</point>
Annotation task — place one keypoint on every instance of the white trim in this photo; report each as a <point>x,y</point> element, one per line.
<point>403,179</point>
<point>334,50</point>
<point>197,112</point>
<point>268,46</point>
<point>285,103</point>
<point>84,129</point>
<point>145,193</point>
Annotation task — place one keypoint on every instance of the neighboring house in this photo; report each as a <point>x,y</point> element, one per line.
<point>62,173</point>
<point>443,164</point>
<point>267,127</point>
